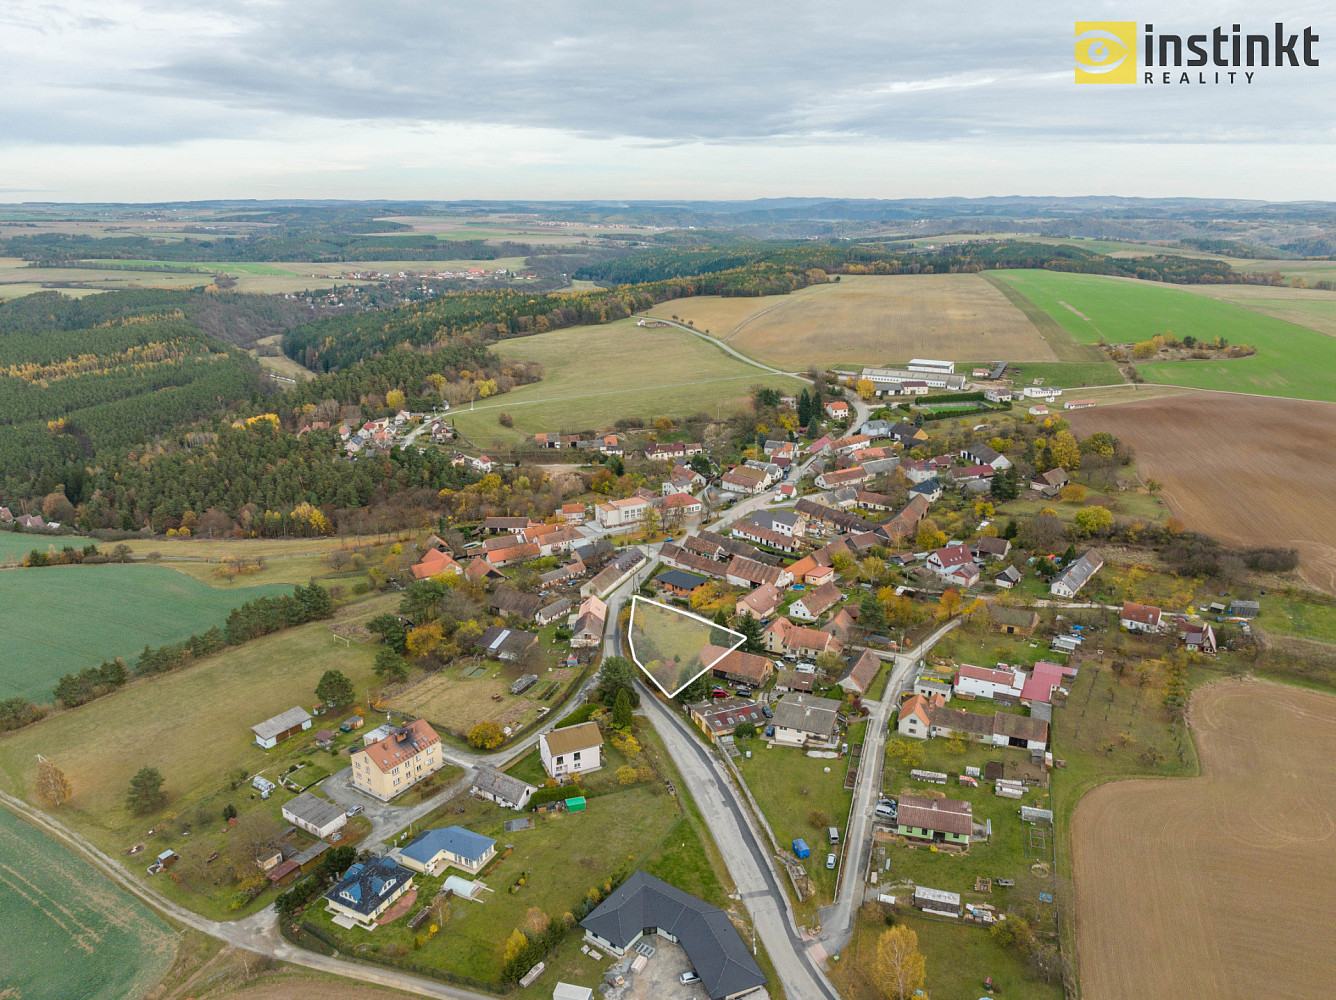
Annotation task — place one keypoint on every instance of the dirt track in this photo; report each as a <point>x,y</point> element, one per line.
<point>1248,470</point>
<point>1219,886</point>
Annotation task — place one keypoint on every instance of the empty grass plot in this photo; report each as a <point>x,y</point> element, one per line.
<point>670,644</point>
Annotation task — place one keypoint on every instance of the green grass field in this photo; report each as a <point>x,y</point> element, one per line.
<point>192,724</point>
<point>594,375</point>
<point>1291,360</point>
<point>65,931</point>
<point>15,545</point>
<point>65,618</point>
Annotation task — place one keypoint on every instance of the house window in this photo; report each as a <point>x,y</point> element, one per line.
<point>576,758</point>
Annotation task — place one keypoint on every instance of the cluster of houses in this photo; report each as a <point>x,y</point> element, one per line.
<point>380,436</point>
<point>925,714</point>
<point>28,522</point>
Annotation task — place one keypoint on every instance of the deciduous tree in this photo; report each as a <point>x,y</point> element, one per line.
<point>899,966</point>
<point>51,786</point>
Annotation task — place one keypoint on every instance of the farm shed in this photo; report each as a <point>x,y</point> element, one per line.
<point>271,732</point>
<point>936,901</point>
<point>565,991</point>
<point>315,816</point>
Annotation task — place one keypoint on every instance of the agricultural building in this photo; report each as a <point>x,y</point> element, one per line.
<point>271,732</point>
<point>316,816</point>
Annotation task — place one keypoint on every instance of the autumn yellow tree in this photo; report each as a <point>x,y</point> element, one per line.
<point>949,603</point>
<point>515,944</point>
<point>1073,493</point>
<point>424,639</point>
<point>52,786</point>
<point>1065,451</point>
<point>486,736</point>
<point>929,536</point>
<point>394,399</point>
<point>899,966</point>
<point>865,388</point>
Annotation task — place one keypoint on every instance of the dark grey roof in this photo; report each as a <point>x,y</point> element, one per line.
<point>1080,571</point>
<point>681,579</point>
<point>367,884</point>
<point>718,955</point>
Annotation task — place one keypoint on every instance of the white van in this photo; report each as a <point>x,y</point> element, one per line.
<point>834,835</point>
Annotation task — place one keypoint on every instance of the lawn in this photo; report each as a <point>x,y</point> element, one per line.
<point>793,791</point>
<point>66,931</point>
<point>1295,616</point>
<point>595,375</point>
<point>1291,360</point>
<point>193,725</point>
<point>958,957</point>
<point>565,856</point>
<point>64,618</point>
<point>977,644</point>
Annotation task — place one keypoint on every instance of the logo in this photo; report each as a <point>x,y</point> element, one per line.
<point>1106,51</point>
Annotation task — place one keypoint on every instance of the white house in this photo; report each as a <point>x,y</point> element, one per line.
<point>572,750</point>
<point>980,682</point>
<point>1140,617</point>
<point>1048,392</point>
<point>1076,575</point>
<point>617,513</point>
<point>954,564</point>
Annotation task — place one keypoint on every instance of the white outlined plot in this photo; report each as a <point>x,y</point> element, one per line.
<point>666,643</point>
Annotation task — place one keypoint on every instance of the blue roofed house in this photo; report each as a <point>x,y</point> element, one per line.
<point>366,891</point>
<point>432,851</point>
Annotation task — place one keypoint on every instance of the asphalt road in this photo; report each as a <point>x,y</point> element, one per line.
<point>741,846</point>
<point>837,919</point>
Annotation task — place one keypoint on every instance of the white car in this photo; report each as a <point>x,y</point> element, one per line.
<point>687,978</point>
<point>830,861</point>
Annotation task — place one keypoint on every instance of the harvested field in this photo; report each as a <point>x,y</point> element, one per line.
<point>864,319</point>
<point>1179,887</point>
<point>1249,470</point>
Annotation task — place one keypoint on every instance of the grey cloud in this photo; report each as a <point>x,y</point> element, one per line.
<point>730,73</point>
<point>706,71</point>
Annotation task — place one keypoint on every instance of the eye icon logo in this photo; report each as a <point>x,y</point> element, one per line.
<point>1106,52</point>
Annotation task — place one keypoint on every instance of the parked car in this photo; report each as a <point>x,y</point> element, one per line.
<point>688,977</point>
<point>769,732</point>
<point>767,711</point>
<point>744,692</point>
<point>353,811</point>
<point>830,861</point>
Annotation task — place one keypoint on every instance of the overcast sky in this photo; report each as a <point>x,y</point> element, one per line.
<point>150,100</point>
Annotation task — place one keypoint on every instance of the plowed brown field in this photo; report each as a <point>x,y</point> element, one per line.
<point>1248,470</point>
<point>1218,886</point>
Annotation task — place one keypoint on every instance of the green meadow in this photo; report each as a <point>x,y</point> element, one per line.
<point>63,618</point>
<point>1291,360</point>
